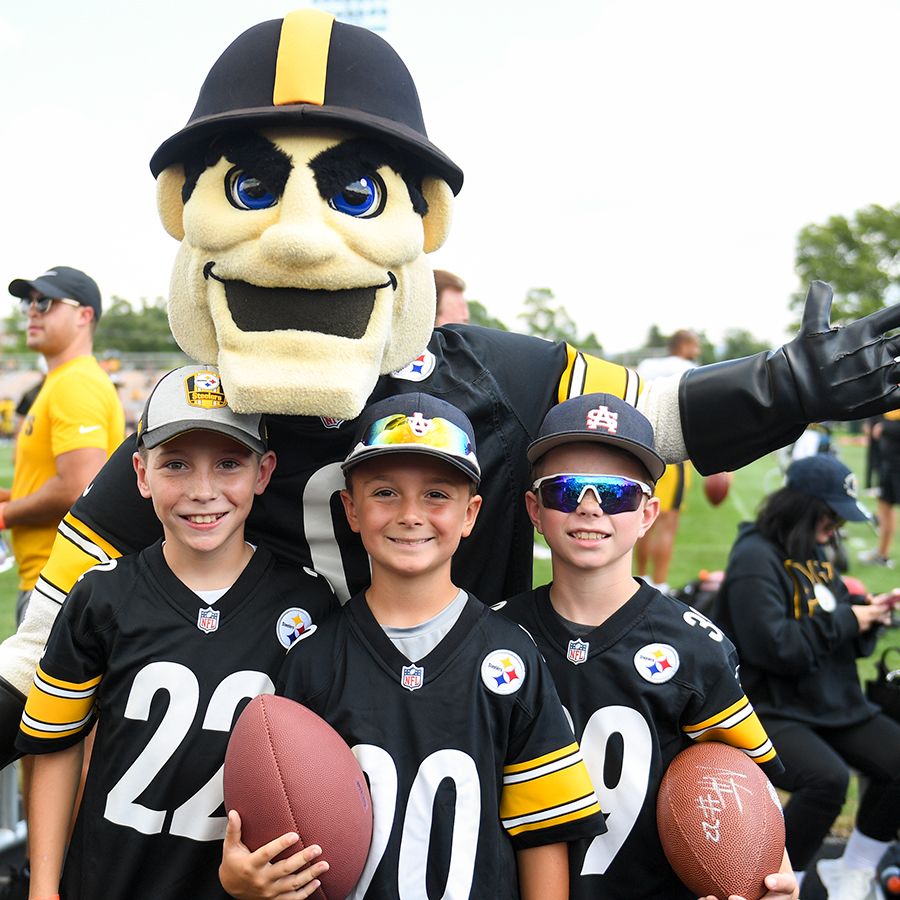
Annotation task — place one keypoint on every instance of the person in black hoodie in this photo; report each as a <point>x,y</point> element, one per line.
<point>798,637</point>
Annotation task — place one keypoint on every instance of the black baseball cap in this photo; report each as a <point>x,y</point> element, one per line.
<point>61,282</point>
<point>191,398</point>
<point>415,423</point>
<point>825,477</point>
<point>605,419</point>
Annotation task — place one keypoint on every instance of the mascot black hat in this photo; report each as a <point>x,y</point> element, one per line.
<point>310,68</point>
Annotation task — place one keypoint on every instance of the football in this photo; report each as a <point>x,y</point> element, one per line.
<point>287,769</point>
<point>716,487</point>
<point>720,821</point>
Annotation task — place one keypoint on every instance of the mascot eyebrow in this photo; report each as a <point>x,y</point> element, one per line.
<point>333,169</point>
<point>342,164</point>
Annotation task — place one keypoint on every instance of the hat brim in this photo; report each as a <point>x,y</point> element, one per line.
<point>848,509</point>
<point>19,287</point>
<point>652,462</point>
<point>467,468</point>
<point>157,436</point>
<point>177,147</point>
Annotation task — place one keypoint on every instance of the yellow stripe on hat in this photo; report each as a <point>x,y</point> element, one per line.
<point>302,57</point>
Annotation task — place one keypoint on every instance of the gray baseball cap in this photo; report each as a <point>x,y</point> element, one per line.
<point>61,282</point>
<point>191,398</point>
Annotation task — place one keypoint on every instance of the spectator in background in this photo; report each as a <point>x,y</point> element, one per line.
<point>885,432</point>
<point>798,636</point>
<point>653,552</point>
<point>74,423</point>
<point>452,306</point>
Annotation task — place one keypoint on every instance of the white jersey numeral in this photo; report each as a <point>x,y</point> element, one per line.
<point>194,818</point>
<point>416,828</point>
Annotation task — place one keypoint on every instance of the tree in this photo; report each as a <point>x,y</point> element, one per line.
<point>127,329</point>
<point>739,342</point>
<point>859,257</point>
<point>545,317</point>
<point>478,315</point>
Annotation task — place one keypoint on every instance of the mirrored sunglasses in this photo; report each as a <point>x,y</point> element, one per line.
<point>614,493</point>
<point>43,304</point>
<point>401,430</point>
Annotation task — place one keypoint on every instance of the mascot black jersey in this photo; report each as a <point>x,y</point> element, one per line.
<point>467,751</point>
<point>167,675</point>
<point>300,517</point>
<point>639,688</point>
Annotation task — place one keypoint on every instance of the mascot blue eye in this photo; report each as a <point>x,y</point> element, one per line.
<point>363,198</point>
<point>247,191</point>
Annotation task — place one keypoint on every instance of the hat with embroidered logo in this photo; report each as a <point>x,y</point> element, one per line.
<point>415,423</point>
<point>61,282</point>
<point>601,418</point>
<point>827,478</point>
<point>192,398</point>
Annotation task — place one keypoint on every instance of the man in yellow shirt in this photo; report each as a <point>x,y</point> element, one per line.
<point>74,424</point>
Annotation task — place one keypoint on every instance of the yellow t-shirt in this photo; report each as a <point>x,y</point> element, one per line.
<point>77,407</point>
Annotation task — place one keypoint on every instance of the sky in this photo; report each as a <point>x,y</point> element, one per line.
<point>651,162</point>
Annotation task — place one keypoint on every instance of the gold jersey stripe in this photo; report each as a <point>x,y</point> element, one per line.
<point>591,810</point>
<point>69,559</point>
<point>585,374</point>
<point>55,710</point>
<point>541,760</point>
<point>68,685</point>
<point>748,734</point>
<point>302,61</point>
<point>719,716</point>
<point>545,792</point>
<point>32,732</point>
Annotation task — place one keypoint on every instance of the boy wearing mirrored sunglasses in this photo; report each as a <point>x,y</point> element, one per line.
<point>641,674</point>
<point>476,779</point>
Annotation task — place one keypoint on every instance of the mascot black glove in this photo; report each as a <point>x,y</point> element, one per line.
<point>765,401</point>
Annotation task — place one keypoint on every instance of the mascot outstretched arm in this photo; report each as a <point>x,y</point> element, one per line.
<point>305,195</point>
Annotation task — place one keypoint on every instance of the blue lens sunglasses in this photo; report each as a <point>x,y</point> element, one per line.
<point>614,493</point>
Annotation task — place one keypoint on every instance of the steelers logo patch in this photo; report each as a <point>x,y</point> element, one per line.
<point>656,663</point>
<point>418,370</point>
<point>294,624</point>
<point>503,672</point>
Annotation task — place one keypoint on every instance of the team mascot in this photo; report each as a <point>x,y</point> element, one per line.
<point>305,195</point>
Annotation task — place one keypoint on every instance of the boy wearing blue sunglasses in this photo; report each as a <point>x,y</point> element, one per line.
<point>641,674</point>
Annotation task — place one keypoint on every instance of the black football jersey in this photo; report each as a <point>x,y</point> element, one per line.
<point>504,382</point>
<point>166,675</point>
<point>639,688</point>
<point>467,751</point>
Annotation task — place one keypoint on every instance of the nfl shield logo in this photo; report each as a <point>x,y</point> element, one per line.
<point>208,619</point>
<point>578,651</point>
<point>412,677</point>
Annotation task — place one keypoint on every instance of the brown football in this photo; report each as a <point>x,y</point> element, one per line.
<point>287,769</point>
<point>720,821</point>
<point>716,487</point>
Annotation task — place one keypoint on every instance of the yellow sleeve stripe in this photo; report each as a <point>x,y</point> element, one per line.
<point>562,754</point>
<point>52,712</point>
<point>545,790</point>
<point>25,728</point>
<point>76,549</point>
<point>589,809</point>
<point>586,374</point>
<point>719,717</point>
<point>48,682</point>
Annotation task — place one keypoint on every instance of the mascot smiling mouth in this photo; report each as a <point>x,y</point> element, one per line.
<point>344,313</point>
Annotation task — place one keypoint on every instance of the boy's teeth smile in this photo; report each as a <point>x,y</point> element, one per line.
<point>588,535</point>
<point>410,541</point>
<point>207,519</point>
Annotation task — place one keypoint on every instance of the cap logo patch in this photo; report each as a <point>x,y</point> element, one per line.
<point>602,417</point>
<point>656,663</point>
<point>418,424</point>
<point>850,485</point>
<point>503,672</point>
<point>204,390</point>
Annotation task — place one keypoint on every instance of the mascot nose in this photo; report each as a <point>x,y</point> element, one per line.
<point>305,242</point>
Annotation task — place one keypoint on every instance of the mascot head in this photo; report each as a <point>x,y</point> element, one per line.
<point>305,193</point>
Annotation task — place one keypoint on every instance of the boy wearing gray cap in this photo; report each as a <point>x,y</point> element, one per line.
<point>641,674</point>
<point>476,779</point>
<point>164,648</point>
